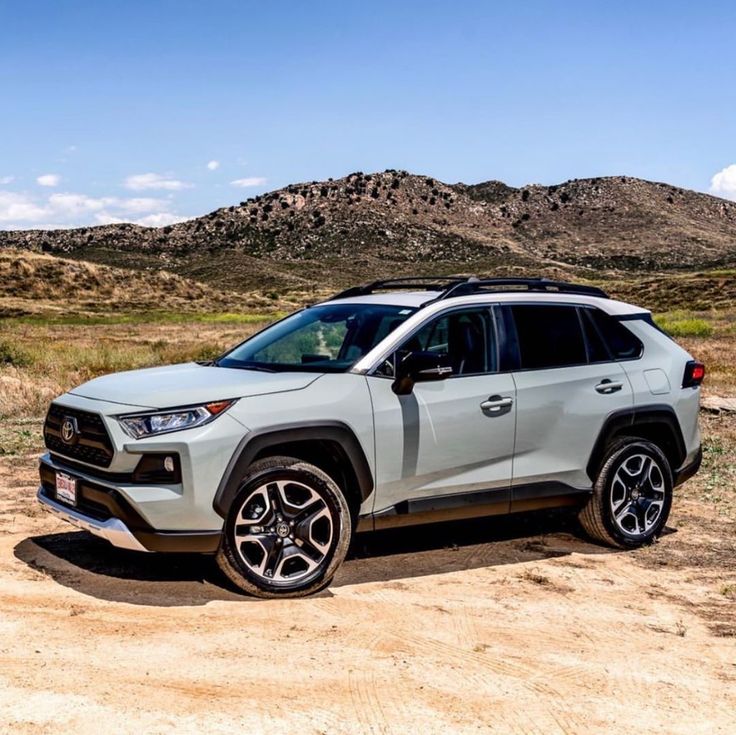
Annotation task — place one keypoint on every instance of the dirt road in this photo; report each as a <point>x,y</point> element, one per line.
<point>495,626</point>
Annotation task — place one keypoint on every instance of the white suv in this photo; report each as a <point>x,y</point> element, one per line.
<point>400,402</point>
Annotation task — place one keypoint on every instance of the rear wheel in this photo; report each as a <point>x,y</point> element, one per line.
<point>287,532</point>
<point>632,495</point>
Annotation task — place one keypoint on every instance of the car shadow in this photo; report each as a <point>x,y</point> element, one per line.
<point>93,567</point>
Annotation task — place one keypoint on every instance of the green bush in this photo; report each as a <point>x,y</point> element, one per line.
<point>678,325</point>
<point>11,354</point>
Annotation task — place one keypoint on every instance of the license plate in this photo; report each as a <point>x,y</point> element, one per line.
<point>66,488</point>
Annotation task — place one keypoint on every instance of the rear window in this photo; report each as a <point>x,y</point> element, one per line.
<point>549,336</point>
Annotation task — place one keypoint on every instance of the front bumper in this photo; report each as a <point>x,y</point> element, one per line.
<point>112,530</point>
<point>105,511</point>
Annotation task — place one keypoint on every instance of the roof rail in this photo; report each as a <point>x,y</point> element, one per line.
<point>421,283</point>
<point>475,285</point>
<point>453,286</point>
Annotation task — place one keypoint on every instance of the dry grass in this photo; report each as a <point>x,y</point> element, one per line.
<point>716,482</point>
<point>710,336</point>
<point>39,361</point>
<point>35,284</point>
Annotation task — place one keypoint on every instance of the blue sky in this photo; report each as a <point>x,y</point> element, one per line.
<point>113,110</point>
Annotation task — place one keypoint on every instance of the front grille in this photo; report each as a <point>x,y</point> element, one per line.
<point>92,444</point>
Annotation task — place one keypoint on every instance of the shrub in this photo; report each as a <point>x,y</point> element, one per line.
<point>678,325</point>
<point>11,354</point>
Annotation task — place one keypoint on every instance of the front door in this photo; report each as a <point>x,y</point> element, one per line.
<point>452,436</point>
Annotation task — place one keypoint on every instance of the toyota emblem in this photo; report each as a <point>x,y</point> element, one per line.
<point>69,430</point>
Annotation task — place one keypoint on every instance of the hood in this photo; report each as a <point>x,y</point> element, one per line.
<point>187,384</point>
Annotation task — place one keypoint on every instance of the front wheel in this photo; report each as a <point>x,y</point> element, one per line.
<point>287,532</point>
<point>632,495</point>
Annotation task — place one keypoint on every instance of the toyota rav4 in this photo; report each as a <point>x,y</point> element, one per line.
<point>395,403</point>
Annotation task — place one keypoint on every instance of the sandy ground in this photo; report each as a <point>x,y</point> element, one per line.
<point>494,626</point>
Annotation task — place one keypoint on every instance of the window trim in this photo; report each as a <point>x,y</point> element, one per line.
<point>489,308</point>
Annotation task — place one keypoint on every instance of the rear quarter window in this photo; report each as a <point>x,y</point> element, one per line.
<point>622,344</point>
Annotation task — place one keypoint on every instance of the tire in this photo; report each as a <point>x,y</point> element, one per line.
<point>632,495</point>
<point>287,532</point>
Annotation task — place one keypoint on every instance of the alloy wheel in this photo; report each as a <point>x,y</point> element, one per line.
<point>283,531</point>
<point>637,495</point>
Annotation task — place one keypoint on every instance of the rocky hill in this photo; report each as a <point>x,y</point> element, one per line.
<point>365,225</point>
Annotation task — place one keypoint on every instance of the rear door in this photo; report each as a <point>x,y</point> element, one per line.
<point>567,384</point>
<point>451,436</point>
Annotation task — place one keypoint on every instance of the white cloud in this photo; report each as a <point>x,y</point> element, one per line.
<point>6,180</point>
<point>139,182</point>
<point>106,218</point>
<point>75,204</point>
<point>22,211</point>
<point>723,184</point>
<point>49,180</point>
<point>213,165</point>
<point>139,205</point>
<point>249,181</point>
<point>19,208</point>
<point>160,219</point>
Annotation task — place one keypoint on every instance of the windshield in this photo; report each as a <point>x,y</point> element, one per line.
<point>326,338</point>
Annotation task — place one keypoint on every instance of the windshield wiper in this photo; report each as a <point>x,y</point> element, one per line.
<point>257,368</point>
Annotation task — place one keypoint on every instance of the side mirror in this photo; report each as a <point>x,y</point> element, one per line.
<point>420,367</point>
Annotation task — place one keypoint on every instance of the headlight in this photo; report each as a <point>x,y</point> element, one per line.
<point>139,425</point>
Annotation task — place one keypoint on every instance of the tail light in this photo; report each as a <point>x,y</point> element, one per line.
<point>694,374</point>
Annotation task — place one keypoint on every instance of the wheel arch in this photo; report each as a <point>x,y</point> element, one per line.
<point>332,446</point>
<point>656,423</point>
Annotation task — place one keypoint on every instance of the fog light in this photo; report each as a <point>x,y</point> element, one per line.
<point>158,468</point>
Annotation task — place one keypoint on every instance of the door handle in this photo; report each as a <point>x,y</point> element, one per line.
<point>496,403</point>
<point>607,386</point>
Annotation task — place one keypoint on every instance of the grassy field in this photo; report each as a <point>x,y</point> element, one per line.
<point>41,356</point>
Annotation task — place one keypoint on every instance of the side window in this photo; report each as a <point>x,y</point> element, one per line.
<point>622,344</point>
<point>466,336</point>
<point>549,336</point>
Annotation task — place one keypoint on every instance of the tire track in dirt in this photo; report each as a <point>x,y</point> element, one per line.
<point>462,624</point>
<point>512,677</point>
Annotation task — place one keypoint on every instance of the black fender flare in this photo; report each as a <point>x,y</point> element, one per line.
<point>646,415</point>
<point>255,442</point>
